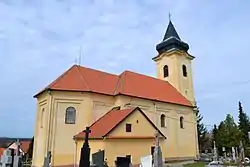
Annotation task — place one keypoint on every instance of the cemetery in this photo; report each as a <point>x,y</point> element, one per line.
<point>12,158</point>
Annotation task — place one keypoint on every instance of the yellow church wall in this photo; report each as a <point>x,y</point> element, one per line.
<point>174,60</point>
<point>122,147</point>
<point>40,133</point>
<point>139,127</point>
<point>181,143</point>
<point>89,107</point>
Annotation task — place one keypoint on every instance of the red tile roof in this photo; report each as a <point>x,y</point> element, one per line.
<point>24,145</point>
<point>104,125</point>
<point>1,151</point>
<point>79,78</point>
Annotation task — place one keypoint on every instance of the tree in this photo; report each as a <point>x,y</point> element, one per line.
<point>244,124</point>
<point>201,131</point>
<point>227,135</point>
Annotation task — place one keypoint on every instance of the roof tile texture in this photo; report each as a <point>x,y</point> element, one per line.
<point>128,83</point>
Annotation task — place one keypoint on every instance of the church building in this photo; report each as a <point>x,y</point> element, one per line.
<point>123,111</point>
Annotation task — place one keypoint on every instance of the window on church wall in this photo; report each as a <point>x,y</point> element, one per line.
<point>70,115</point>
<point>181,122</point>
<point>184,70</point>
<point>163,120</point>
<point>165,71</point>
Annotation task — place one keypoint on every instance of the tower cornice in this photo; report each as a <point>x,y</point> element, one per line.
<point>173,52</point>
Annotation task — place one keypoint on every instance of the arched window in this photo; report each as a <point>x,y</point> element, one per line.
<point>165,71</point>
<point>184,70</point>
<point>163,120</point>
<point>181,122</point>
<point>70,115</point>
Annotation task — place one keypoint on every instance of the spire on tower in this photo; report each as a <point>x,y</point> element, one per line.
<point>171,40</point>
<point>171,32</point>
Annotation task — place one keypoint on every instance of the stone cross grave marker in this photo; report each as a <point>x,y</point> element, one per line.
<point>242,154</point>
<point>85,151</point>
<point>47,160</point>
<point>215,152</point>
<point>6,158</point>
<point>98,158</point>
<point>157,157</point>
<point>146,161</point>
<point>17,157</point>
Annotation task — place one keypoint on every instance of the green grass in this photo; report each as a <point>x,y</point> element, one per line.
<point>196,164</point>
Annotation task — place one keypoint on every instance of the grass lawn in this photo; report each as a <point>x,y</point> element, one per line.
<point>196,164</point>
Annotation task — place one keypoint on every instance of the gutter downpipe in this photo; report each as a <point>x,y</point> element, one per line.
<point>156,115</point>
<point>196,135</point>
<point>75,149</point>
<point>49,122</point>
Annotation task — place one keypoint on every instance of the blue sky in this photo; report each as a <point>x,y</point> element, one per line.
<point>41,39</point>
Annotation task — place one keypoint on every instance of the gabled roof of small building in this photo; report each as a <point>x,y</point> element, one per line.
<point>83,79</point>
<point>24,145</point>
<point>108,122</point>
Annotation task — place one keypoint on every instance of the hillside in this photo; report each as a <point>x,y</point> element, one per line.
<point>6,141</point>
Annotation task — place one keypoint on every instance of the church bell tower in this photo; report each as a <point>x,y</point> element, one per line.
<point>174,63</point>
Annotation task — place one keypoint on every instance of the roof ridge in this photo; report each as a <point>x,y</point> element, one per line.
<point>97,70</point>
<point>132,110</point>
<point>56,80</point>
<point>150,121</point>
<point>160,80</point>
<point>119,82</point>
<point>82,78</point>
<point>98,120</point>
<point>60,76</point>
<point>127,71</point>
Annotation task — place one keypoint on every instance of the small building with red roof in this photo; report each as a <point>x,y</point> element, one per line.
<point>117,131</point>
<point>24,146</point>
<point>123,111</point>
<point>2,150</point>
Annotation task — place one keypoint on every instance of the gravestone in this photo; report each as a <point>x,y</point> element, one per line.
<point>233,154</point>
<point>6,158</point>
<point>85,150</point>
<point>47,160</point>
<point>215,153</point>
<point>123,161</point>
<point>98,158</point>
<point>12,152</point>
<point>242,155</point>
<point>157,157</point>
<point>17,157</point>
<point>147,161</point>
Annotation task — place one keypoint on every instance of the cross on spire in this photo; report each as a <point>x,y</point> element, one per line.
<point>169,16</point>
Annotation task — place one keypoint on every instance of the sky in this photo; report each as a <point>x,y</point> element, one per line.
<point>39,40</point>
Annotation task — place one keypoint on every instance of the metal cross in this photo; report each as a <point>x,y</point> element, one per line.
<point>157,137</point>
<point>87,132</point>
